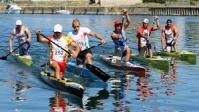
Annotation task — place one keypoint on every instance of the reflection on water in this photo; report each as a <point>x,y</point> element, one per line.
<point>119,84</point>
<point>160,92</point>
<point>96,101</point>
<point>57,103</point>
<point>61,102</point>
<point>168,80</point>
<point>20,89</point>
<point>143,88</point>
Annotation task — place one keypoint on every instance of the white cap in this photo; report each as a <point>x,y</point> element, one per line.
<point>57,28</point>
<point>145,20</point>
<point>18,22</point>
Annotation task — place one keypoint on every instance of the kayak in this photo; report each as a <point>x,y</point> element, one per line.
<point>115,61</point>
<point>26,59</point>
<point>65,85</point>
<point>182,55</point>
<point>154,62</point>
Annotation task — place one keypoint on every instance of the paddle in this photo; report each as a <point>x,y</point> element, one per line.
<point>98,72</point>
<point>86,50</point>
<point>95,70</point>
<point>5,57</point>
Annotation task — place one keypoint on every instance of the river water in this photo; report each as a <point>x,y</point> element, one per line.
<point>176,91</point>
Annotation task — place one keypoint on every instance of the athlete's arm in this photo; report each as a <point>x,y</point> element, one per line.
<point>139,32</point>
<point>157,21</point>
<point>28,34</point>
<point>40,38</point>
<point>176,34</point>
<point>98,36</point>
<point>12,35</point>
<point>163,39</point>
<point>77,49</point>
<point>128,19</point>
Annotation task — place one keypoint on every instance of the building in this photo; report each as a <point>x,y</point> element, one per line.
<point>101,2</point>
<point>119,2</point>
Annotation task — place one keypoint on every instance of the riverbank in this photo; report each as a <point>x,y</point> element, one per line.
<point>85,8</point>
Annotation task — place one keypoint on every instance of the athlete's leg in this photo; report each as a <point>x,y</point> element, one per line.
<point>89,58</point>
<point>56,67</point>
<point>127,54</point>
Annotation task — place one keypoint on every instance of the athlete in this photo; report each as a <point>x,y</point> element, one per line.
<point>23,36</point>
<point>169,37</point>
<point>80,36</point>
<point>144,39</point>
<point>119,37</point>
<point>58,57</point>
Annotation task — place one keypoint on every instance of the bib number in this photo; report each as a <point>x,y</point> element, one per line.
<point>59,52</point>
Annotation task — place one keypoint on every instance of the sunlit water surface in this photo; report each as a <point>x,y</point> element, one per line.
<point>176,91</point>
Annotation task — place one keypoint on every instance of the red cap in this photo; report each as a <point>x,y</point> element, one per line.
<point>117,22</point>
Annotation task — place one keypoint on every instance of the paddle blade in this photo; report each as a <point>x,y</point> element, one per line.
<point>3,58</point>
<point>98,72</point>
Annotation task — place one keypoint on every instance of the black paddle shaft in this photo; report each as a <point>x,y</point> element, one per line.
<point>56,44</point>
<point>98,72</point>
<point>86,50</point>
<point>5,57</point>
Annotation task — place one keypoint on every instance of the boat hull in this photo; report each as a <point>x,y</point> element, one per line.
<point>27,59</point>
<point>154,62</point>
<point>64,84</point>
<point>115,61</point>
<point>184,55</point>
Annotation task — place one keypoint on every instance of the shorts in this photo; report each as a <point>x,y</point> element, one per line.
<point>23,50</point>
<point>82,57</point>
<point>62,66</point>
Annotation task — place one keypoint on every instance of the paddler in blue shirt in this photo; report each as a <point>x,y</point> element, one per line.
<point>119,37</point>
<point>23,35</point>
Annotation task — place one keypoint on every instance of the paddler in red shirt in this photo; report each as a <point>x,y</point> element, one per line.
<point>144,38</point>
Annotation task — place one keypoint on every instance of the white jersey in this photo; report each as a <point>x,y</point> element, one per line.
<point>81,37</point>
<point>56,53</point>
<point>143,40</point>
<point>21,36</point>
<point>169,35</point>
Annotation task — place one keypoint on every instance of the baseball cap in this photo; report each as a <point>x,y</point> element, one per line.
<point>58,28</point>
<point>117,22</point>
<point>18,22</point>
<point>146,20</point>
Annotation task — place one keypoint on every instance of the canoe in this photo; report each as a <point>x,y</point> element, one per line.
<point>26,59</point>
<point>154,62</point>
<point>184,55</point>
<point>115,61</point>
<point>65,85</point>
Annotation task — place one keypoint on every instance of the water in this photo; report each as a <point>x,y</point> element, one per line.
<point>176,91</point>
